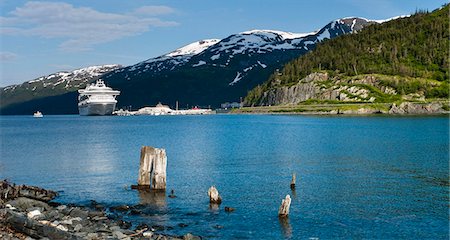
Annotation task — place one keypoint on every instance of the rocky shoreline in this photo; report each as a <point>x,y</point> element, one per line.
<point>404,108</point>
<point>28,212</point>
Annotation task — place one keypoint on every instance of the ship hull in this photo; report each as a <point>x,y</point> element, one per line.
<point>97,109</point>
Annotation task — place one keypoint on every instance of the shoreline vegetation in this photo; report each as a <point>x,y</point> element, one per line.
<point>312,107</point>
<point>29,212</point>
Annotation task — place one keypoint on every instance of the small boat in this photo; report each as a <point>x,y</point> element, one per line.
<point>38,114</point>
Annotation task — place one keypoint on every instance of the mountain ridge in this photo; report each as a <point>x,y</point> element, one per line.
<point>225,65</point>
<point>54,84</point>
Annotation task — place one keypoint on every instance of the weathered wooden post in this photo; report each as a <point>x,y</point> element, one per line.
<point>159,170</point>
<point>152,169</point>
<point>284,208</point>
<point>293,181</point>
<point>214,196</point>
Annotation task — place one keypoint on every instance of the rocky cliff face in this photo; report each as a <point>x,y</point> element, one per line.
<point>417,108</point>
<point>320,86</point>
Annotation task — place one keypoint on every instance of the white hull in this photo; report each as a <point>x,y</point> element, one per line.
<point>96,109</point>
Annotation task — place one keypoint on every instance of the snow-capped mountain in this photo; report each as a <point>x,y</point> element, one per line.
<point>219,53</point>
<point>206,72</point>
<point>54,84</point>
<point>210,72</point>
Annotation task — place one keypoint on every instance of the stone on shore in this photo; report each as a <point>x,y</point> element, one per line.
<point>24,203</point>
<point>10,191</point>
<point>417,108</point>
<point>23,217</point>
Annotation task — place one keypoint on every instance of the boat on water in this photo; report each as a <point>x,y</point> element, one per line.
<point>38,114</point>
<point>97,99</point>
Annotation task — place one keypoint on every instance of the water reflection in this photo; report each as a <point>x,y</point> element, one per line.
<point>286,228</point>
<point>153,199</point>
<point>293,193</point>
<point>214,207</point>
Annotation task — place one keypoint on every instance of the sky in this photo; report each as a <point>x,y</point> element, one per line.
<point>39,38</point>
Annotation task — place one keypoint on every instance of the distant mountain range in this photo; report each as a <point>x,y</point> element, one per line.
<point>203,73</point>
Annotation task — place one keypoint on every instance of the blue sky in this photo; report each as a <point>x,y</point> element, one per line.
<point>42,37</point>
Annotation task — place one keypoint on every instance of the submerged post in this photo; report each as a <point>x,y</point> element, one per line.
<point>293,181</point>
<point>284,208</point>
<point>214,196</point>
<point>152,169</point>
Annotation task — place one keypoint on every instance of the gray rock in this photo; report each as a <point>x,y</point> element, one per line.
<point>120,235</point>
<point>41,209</point>
<point>61,207</point>
<point>92,236</point>
<point>121,208</point>
<point>147,234</point>
<point>24,203</point>
<point>306,88</point>
<point>417,108</point>
<point>78,227</point>
<point>189,236</point>
<point>115,228</point>
<point>11,191</point>
<point>52,215</point>
<point>34,228</point>
<point>97,218</point>
<point>124,224</point>
<point>96,214</point>
<point>77,212</point>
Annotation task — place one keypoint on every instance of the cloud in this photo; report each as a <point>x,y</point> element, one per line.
<point>154,10</point>
<point>80,28</point>
<point>7,56</point>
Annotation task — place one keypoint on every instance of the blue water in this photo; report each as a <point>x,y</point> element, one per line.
<point>357,177</point>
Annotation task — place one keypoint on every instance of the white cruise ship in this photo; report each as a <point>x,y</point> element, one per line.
<point>97,99</point>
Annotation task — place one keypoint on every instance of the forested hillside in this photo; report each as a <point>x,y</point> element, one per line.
<point>413,49</point>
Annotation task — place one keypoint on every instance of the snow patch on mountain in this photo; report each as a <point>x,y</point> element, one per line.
<point>248,68</point>
<point>324,35</point>
<point>284,35</point>
<point>199,63</point>
<point>77,77</point>
<point>262,64</point>
<point>392,18</point>
<point>193,48</point>
<point>215,57</point>
<point>236,79</point>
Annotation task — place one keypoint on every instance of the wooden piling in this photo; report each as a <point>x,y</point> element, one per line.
<point>214,196</point>
<point>293,181</point>
<point>152,169</point>
<point>284,208</point>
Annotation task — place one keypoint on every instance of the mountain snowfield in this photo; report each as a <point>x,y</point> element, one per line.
<point>219,53</point>
<point>206,72</point>
<point>75,78</point>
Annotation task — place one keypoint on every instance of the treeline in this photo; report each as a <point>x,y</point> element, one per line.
<point>415,46</point>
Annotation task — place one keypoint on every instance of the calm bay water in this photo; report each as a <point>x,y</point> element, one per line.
<point>357,177</point>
